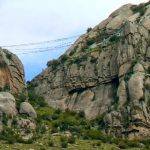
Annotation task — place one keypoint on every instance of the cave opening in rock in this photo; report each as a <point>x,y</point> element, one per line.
<point>115,84</point>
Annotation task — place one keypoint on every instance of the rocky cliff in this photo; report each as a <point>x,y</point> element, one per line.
<point>11,72</point>
<point>106,73</point>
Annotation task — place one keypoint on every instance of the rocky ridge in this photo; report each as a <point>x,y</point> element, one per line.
<point>106,73</point>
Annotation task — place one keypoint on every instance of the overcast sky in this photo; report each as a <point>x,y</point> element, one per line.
<point>26,21</point>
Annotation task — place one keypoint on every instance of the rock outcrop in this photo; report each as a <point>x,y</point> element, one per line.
<point>7,104</point>
<point>27,109</point>
<point>106,73</point>
<point>11,72</point>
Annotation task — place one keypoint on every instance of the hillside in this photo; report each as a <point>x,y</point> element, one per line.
<point>106,73</point>
<point>96,96</point>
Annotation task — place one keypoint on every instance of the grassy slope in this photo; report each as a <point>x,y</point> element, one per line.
<point>44,137</point>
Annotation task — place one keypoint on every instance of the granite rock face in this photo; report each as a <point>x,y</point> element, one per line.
<point>7,104</point>
<point>106,73</point>
<point>11,72</point>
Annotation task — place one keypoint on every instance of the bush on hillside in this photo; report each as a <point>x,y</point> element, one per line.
<point>90,41</point>
<point>51,143</point>
<point>89,29</point>
<point>71,139</point>
<point>139,9</point>
<point>64,144</point>
<point>92,135</point>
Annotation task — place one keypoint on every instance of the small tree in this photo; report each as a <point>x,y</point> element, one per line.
<point>89,29</point>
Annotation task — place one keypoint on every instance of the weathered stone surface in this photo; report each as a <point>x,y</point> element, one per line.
<point>136,87</point>
<point>147,83</point>
<point>134,17</point>
<point>25,124</point>
<point>138,68</point>
<point>124,69</point>
<point>122,93</point>
<point>7,104</point>
<point>26,108</point>
<point>146,19</point>
<point>106,72</point>
<point>83,102</point>
<point>130,28</point>
<point>148,53</point>
<point>11,72</point>
<point>123,10</point>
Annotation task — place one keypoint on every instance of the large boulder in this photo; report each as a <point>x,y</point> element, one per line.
<point>11,72</point>
<point>7,104</point>
<point>26,108</point>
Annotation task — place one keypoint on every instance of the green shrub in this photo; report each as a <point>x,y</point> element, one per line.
<point>128,76</point>
<point>114,39</point>
<point>55,116</point>
<point>139,9</point>
<point>42,148</point>
<point>9,55</point>
<point>145,141</point>
<point>116,140</point>
<point>69,112</point>
<point>20,98</point>
<point>132,143</point>
<point>54,130</point>
<point>93,60</point>
<point>54,64</point>
<point>72,53</point>
<point>92,134</point>
<point>64,58</point>
<point>6,88</point>
<point>97,144</point>
<point>125,143</point>
<point>90,41</point>
<point>51,143</point>
<point>64,126</point>
<point>29,141</point>
<point>148,70</point>
<point>78,60</point>
<point>66,121</point>
<point>11,140</point>
<point>9,135</point>
<point>84,122</point>
<point>71,139</point>
<point>81,114</point>
<point>63,139</point>
<point>89,29</point>
<point>64,144</point>
<point>14,122</point>
<point>36,100</point>
<point>56,124</point>
<point>57,111</point>
<point>5,120</point>
<point>75,129</point>
<point>122,145</point>
<point>100,121</point>
<point>42,129</point>
<point>148,102</point>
